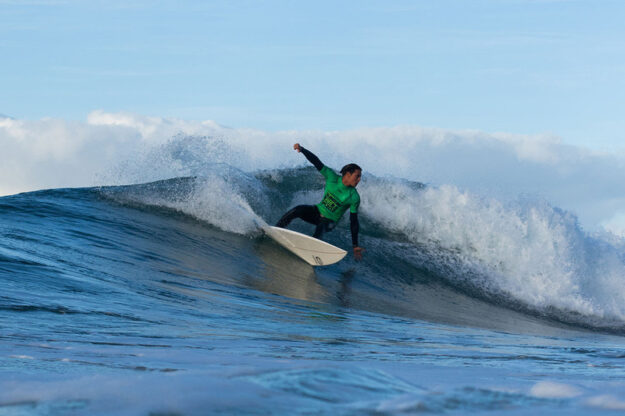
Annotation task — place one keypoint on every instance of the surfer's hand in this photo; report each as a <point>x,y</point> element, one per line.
<point>358,253</point>
<point>297,147</point>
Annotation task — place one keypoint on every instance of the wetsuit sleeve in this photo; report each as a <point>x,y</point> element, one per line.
<point>312,158</point>
<point>354,226</point>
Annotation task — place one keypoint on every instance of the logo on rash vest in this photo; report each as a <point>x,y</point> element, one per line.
<point>330,202</point>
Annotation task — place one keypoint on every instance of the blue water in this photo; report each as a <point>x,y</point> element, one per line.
<point>143,300</point>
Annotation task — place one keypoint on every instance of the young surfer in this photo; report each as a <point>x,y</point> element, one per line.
<point>339,194</point>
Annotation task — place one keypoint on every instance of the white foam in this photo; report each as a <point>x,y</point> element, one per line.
<point>606,401</point>
<point>553,390</point>
<point>216,202</point>
<point>529,250</point>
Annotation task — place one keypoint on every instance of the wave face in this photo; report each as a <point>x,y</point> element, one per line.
<point>435,253</point>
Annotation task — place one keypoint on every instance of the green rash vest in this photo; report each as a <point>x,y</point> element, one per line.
<point>337,197</point>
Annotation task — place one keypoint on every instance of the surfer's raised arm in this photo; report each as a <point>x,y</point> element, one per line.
<point>309,155</point>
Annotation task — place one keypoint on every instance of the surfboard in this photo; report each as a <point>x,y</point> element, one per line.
<point>313,251</point>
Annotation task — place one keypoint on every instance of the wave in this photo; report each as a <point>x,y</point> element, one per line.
<point>526,254</point>
<point>519,253</point>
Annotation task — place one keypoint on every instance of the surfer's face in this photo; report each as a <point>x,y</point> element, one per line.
<point>352,179</point>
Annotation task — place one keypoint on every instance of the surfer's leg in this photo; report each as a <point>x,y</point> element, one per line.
<point>318,231</point>
<point>308,213</point>
<point>323,226</point>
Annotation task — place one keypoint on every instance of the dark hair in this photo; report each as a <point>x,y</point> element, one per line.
<point>351,168</point>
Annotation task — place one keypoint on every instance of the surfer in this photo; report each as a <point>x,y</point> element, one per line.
<point>339,194</point>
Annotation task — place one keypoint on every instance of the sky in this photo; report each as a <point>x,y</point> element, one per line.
<point>516,66</point>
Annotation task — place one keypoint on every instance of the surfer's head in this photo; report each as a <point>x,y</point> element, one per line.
<point>351,174</point>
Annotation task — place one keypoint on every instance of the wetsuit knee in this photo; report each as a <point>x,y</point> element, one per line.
<point>324,226</point>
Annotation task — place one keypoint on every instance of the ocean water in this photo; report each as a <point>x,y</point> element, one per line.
<point>164,297</point>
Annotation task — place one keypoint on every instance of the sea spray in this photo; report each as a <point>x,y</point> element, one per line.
<point>528,250</point>
<point>217,199</point>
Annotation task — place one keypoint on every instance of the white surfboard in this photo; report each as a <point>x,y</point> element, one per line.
<point>314,252</point>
